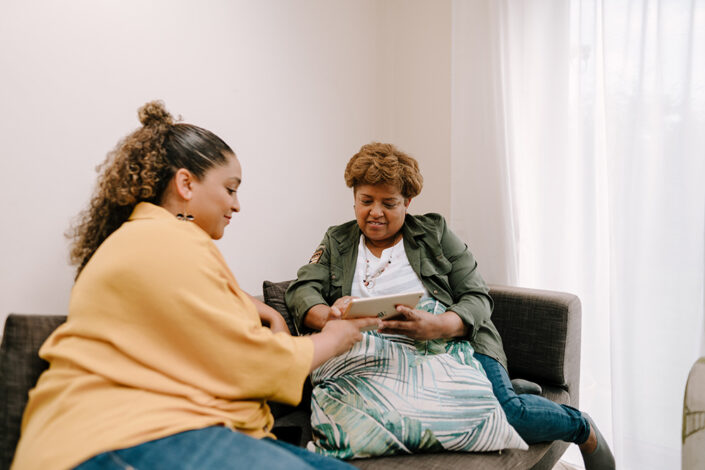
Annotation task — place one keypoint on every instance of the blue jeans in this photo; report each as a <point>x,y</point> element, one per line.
<point>535,418</point>
<point>212,448</point>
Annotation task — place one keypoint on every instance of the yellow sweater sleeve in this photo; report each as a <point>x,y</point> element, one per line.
<point>163,305</point>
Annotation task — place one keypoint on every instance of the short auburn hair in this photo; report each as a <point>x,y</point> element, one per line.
<point>378,163</point>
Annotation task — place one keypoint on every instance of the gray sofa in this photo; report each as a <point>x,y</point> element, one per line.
<point>540,329</point>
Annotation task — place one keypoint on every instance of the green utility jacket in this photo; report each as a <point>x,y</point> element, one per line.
<point>442,261</point>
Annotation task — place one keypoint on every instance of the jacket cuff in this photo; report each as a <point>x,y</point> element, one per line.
<point>303,305</point>
<point>467,319</point>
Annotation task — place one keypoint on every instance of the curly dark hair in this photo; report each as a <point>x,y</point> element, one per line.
<point>378,163</point>
<point>139,169</point>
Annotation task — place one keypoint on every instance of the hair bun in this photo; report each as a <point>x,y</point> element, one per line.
<point>154,112</point>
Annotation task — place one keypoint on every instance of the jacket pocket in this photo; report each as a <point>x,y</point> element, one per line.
<point>434,274</point>
<point>435,266</point>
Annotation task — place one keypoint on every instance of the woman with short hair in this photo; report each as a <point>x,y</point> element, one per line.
<point>386,251</point>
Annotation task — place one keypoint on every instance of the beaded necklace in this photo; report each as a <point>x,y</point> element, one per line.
<point>369,279</point>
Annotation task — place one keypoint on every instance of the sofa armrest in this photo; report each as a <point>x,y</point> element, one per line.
<point>540,330</point>
<point>20,367</point>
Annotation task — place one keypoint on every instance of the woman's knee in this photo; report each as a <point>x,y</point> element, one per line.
<point>516,411</point>
<point>514,408</point>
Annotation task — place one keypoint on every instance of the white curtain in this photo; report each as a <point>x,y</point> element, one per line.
<point>594,135</point>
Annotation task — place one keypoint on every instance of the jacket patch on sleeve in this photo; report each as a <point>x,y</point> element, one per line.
<point>317,254</point>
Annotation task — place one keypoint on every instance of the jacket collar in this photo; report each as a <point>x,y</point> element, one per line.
<point>412,230</point>
<point>348,234</point>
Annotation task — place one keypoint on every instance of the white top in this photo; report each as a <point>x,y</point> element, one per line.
<point>398,276</point>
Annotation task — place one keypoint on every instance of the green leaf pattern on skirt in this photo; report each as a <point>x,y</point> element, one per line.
<point>393,395</point>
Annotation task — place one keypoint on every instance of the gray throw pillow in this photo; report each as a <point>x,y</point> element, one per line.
<point>273,293</point>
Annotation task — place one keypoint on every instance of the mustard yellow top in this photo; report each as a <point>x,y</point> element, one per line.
<point>160,339</point>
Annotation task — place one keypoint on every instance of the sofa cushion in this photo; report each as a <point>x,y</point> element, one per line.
<point>273,293</point>
<point>20,368</point>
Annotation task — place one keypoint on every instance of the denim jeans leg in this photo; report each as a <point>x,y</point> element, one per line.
<point>315,460</point>
<point>212,448</point>
<point>104,461</point>
<point>535,418</point>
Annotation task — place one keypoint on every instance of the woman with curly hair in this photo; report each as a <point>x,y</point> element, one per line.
<point>164,362</point>
<point>439,367</point>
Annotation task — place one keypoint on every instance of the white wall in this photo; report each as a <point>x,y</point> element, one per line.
<point>294,87</point>
<point>416,55</point>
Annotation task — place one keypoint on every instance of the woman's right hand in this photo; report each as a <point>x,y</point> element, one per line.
<point>337,336</point>
<point>348,332</point>
<point>318,315</point>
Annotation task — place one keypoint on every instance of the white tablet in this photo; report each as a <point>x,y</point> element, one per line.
<point>383,307</point>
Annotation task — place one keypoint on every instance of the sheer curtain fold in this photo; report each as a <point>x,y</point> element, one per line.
<point>482,208</point>
<point>600,161</point>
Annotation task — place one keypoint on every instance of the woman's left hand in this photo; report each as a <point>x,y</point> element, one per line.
<point>269,316</point>
<point>415,324</point>
<point>421,325</point>
<point>276,323</point>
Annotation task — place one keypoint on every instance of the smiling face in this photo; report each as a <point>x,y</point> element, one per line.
<point>214,197</point>
<point>380,211</point>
